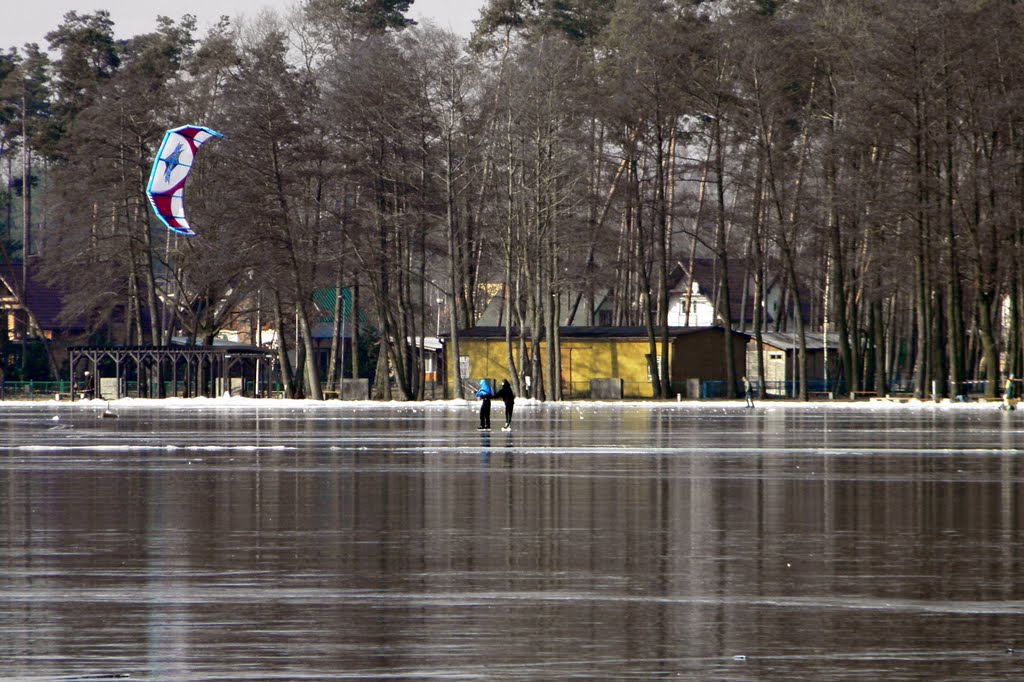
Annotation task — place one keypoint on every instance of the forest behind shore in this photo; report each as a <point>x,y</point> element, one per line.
<point>864,157</point>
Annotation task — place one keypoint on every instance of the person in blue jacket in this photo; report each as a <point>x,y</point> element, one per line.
<point>485,394</point>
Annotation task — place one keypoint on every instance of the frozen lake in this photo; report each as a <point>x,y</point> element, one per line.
<point>223,541</point>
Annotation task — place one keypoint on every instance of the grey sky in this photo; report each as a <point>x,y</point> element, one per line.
<point>32,19</point>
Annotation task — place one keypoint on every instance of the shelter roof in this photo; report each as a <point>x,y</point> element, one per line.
<point>791,341</point>
<point>178,344</point>
<point>217,343</point>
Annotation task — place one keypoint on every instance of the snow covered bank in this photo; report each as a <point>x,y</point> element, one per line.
<point>277,404</point>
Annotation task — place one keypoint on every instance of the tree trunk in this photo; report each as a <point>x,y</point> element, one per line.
<point>354,331</point>
<point>725,307</point>
<point>282,347</point>
<point>333,364</point>
<point>312,382</point>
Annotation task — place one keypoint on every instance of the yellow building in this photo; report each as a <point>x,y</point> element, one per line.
<point>587,353</point>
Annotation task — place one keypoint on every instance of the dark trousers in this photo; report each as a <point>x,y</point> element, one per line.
<point>485,414</point>
<point>508,414</point>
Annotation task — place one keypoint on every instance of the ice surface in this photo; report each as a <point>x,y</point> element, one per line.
<point>233,538</point>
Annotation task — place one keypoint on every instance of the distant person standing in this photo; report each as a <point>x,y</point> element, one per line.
<point>509,398</point>
<point>485,394</point>
<point>748,392</point>
<point>1008,394</point>
<point>90,386</point>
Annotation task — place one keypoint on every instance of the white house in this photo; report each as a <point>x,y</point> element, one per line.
<point>693,292</point>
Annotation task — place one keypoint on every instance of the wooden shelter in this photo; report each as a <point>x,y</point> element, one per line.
<point>173,371</point>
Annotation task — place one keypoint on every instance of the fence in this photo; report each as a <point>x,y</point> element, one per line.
<point>816,388</point>
<point>821,388</point>
<point>34,390</point>
<point>47,390</point>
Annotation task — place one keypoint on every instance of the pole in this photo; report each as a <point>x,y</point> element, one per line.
<point>437,329</point>
<point>26,219</point>
<point>824,325</point>
<point>341,364</point>
<point>259,337</point>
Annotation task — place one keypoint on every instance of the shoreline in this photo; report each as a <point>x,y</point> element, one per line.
<point>226,402</point>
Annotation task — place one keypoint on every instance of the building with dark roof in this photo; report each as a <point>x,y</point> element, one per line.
<point>42,301</point>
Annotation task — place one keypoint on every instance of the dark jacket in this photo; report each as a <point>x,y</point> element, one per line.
<point>505,393</point>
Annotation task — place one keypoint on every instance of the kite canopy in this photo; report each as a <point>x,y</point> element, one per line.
<point>171,167</point>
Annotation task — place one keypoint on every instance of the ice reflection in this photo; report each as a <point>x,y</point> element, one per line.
<point>591,542</point>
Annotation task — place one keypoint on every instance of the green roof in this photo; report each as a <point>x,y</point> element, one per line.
<point>325,298</point>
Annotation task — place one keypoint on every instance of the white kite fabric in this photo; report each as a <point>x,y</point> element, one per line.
<point>171,167</point>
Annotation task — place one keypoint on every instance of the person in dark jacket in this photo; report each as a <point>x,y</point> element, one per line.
<point>748,392</point>
<point>509,398</point>
<point>90,386</point>
<point>485,395</point>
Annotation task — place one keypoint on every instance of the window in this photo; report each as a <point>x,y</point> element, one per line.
<point>657,364</point>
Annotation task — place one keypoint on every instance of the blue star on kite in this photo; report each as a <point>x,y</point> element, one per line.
<point>172,162</point>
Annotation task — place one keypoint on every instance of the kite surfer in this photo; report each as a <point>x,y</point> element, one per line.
<point>485,394</point>
<point>509,398</point>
